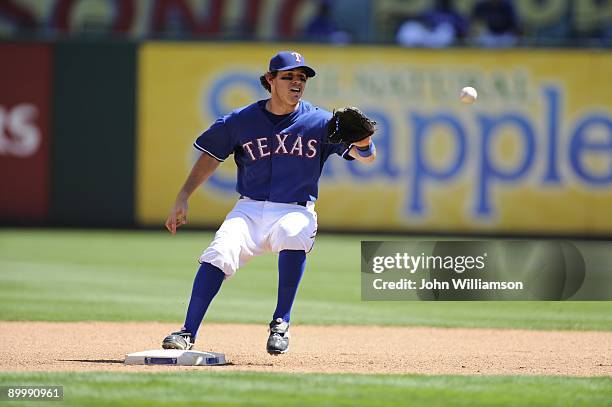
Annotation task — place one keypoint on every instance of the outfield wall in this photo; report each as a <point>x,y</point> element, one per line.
<point>94,124</point>
<point>25,137</point>
<point>67,133</point>
<point>533,155</point>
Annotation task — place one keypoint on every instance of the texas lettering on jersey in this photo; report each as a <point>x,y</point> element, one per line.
<point>266,153</point>
<point>282,143</point>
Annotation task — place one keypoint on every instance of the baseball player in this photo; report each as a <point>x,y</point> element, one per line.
<point>279,145</point>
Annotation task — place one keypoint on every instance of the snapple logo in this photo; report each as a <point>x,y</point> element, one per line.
<point>553,153</point>
<point>549,150</point>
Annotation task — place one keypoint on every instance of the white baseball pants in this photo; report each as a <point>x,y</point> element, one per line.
<point>256,227</point>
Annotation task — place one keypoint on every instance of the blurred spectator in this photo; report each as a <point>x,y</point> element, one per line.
<point>322,27</point>
<point>22,20</point>
<point>497,22</point>
<point>441,27</point>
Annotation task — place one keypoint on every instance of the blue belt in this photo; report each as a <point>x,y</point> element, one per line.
<point>302,203</point>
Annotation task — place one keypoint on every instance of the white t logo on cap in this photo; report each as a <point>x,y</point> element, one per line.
<point>298,57</point>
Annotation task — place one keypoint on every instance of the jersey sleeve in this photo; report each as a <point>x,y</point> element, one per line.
<point>216,141</point>
<point>341,149</point>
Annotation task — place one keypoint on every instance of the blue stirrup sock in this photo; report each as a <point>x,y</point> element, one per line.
<point>206,285</point>
<point>291,265</point>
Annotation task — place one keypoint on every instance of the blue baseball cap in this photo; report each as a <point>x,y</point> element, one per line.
<point>286,60</point>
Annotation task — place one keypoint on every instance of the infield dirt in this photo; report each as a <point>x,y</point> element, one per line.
<point>101,346</point>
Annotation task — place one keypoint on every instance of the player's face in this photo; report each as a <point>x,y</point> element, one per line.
<point>288,86</point>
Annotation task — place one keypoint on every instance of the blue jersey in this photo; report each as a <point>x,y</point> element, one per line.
<point>276,162</point>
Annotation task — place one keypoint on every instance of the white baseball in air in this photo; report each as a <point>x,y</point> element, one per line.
<point>468,95</point>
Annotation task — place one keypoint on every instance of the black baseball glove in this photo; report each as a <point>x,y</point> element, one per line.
<point>349,125</point>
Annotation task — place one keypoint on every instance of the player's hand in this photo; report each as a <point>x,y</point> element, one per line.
<point>177,217</point>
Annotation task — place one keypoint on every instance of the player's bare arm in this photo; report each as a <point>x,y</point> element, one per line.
<point>364,144</point>
<point>201,170</point>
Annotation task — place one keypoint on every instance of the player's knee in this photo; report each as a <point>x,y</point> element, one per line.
<point>285,231</point>
<point>224,259</point>
<point>288,238</point>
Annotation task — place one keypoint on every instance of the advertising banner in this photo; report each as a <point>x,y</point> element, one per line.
<point>218,19</point>
<point>532,155</point>
<point>24,131</point>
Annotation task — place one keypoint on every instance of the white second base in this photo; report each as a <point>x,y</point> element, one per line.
<point>175,357</point>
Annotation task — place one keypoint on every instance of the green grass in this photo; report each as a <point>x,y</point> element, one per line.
<point>265,389</point>
<point>68,275</point>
